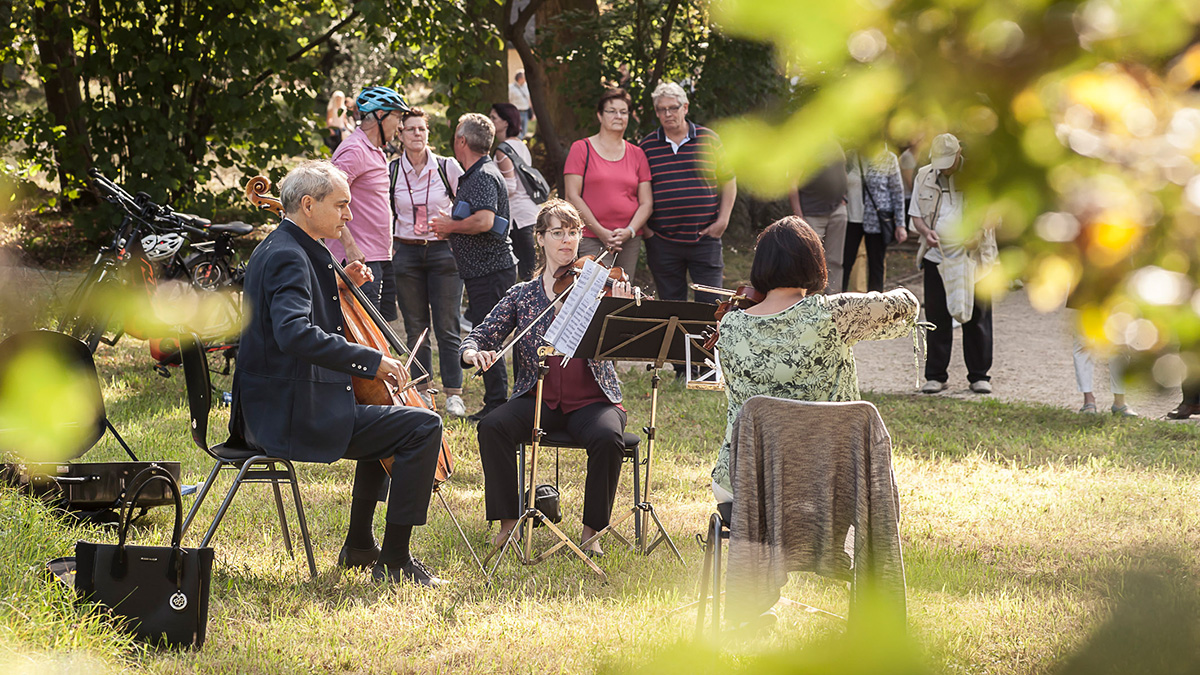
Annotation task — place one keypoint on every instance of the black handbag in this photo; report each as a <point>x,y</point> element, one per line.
<point>546,500</point>
<point>161,590</point>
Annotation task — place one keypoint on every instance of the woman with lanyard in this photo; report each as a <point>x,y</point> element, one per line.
<point>507,120</point>
<point>428,288</point>
<point>580,396</point>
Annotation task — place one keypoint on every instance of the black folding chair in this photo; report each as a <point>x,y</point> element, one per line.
<point>251,466</point>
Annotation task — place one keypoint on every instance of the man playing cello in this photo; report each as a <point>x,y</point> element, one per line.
<point>292,392</point>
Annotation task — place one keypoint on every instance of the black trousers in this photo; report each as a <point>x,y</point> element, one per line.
<point>599,428</point>
<point>413,438</point>
<point>977,333</point>
<point>876,250</point>
<point>483,293</point>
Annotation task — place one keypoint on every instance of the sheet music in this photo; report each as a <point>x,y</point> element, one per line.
<point>572,321</point>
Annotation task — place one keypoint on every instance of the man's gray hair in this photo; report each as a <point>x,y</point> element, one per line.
<point>478,131</point>
<point>315,178</point>
<point>667,89</point>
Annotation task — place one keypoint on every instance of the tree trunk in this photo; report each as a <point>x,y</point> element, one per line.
<point>60,74</point>
<point>557,124</point>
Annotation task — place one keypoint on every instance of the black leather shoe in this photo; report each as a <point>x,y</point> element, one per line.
<point>414,572</point>
<point>358,558</point>
<point>476,418</point>
<point>1183,411</point>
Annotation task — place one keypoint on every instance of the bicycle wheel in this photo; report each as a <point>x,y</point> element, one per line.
<point>209,272</point>
<point>74,308</point>
<point>85,317</point>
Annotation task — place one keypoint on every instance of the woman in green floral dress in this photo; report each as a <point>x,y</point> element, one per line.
<point>797,343</point>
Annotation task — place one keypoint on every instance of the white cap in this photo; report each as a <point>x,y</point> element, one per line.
<point>945,150</point>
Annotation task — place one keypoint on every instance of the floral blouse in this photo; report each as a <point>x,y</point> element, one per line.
<point>804,352</point>
<point>514,312</point>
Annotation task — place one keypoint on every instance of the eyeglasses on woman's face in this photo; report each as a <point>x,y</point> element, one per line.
<point>616,112</point>
<point>561,233</point>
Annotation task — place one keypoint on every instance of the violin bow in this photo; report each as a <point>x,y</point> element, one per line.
<point>524,331</point>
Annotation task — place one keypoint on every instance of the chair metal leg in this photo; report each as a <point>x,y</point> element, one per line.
<point>716,585</point>
<point>287,537</point>
<point>709,546</point>
<point>233,490</point>
<point>308,552</point>
<point>212,477</point>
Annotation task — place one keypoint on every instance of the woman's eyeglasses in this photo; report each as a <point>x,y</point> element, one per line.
<point>559,234</point>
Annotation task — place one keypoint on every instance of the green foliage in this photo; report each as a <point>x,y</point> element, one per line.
<point>1079,128</point>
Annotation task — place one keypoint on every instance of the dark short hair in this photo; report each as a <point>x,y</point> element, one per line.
<point>789,254</point>
<point>508,113</point>
<point>614,94</point>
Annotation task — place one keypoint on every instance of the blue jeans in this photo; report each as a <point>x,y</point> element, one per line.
<point>671,263</point>
<point>427,279</point>
<point>526,115</point>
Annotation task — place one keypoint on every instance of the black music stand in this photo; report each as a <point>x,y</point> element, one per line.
<point>655,331</point>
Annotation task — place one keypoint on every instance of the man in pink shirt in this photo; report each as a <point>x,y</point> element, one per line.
<point>368,235</point>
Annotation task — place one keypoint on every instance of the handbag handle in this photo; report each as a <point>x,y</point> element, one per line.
<point>175,565</point>
<point>156,473</point>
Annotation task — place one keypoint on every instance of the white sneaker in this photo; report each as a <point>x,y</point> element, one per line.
<point>932,387</point>
<point>455,406</point>
<point>981,387</point>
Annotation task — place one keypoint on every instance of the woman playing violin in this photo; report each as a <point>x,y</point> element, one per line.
<point>583,397</point>
<point>797,343</point>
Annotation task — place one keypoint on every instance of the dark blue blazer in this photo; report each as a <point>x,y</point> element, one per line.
<point>292,392</point>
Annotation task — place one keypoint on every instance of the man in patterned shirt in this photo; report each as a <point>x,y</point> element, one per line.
<point>478,234</point>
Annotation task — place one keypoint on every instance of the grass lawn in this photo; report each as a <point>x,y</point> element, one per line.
<point>1036,540</point>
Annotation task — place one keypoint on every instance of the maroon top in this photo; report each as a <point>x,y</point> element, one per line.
<point>570,388</point>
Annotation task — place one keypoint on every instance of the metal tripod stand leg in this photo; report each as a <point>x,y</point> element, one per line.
<point>532,515</point>
<point>646,506</point>
<point>437,489</point>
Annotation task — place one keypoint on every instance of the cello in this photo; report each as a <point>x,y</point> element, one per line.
<point>367,327</point>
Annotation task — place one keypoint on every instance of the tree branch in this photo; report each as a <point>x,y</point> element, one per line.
<point>296,56</point>
<point>663,44</point>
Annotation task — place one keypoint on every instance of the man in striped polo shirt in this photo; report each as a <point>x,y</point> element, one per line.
<point>694,192</point>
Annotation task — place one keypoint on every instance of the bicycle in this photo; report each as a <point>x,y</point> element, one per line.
<point>149,245</point>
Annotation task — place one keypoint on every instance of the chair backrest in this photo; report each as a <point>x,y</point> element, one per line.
<point>76,358</point>
<point>199,387</point>
<point>809,474</point>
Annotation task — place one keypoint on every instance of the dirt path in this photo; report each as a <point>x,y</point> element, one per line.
<point>1031,362</point>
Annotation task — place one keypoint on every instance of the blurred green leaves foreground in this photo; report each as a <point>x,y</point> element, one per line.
<point>1080,128</point>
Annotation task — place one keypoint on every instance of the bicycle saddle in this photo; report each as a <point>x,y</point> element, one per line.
<point>237,228</point>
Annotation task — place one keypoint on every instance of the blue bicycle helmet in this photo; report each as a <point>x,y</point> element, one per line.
<point>380,98</point>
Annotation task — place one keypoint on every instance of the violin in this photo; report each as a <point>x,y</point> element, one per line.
<point>744,297</point>
<point>567,274</point>
<point>367,327</point>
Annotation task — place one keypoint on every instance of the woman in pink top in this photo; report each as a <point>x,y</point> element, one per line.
<point>608,180</point>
